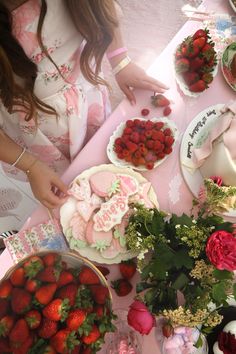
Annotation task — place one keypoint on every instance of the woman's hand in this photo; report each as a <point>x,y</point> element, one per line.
<point>132,76</point>
<point>46,185</point>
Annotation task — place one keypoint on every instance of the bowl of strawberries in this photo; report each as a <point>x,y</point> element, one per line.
<point>195,62</point>
<point>142,144</point>
<point>53,302</point>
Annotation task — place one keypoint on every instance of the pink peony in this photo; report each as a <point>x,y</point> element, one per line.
<point>221,250</point>
<point>140,318</point>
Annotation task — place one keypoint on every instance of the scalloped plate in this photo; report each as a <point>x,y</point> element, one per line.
<point>69,208</point>
<point>118,132</point>
<point>194,136</point>
<point>226,60</point>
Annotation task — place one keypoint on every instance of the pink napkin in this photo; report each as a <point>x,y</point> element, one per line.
<point>225,125</point>
<point>43,236</point>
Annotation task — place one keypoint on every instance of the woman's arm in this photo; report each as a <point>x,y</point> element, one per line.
<point>131,76</point>
<point>45,183</point>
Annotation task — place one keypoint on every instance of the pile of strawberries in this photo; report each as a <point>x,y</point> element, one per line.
<point>144,142</point>
<point>195,60</point>
<point>47,308</point>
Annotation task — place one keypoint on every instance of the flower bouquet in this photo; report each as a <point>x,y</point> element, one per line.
<point>188,275</point>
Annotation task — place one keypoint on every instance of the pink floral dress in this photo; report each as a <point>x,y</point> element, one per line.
<point>81,107</point>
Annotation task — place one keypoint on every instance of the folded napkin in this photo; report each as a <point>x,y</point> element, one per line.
<point>41,237</point>
<point>225,126</point>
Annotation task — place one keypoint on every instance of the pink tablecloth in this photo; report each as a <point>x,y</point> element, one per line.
<point>172,192</point>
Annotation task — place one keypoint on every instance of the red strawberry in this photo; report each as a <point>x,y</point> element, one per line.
<point>167,111</point>
<point>6,325</point>
<point>200,33</point>
<point>64,341</point>
<point>190,77</point>
<point>32,266</point>
<point>145,112</point>
<point>188,49</point>
<point>199,86</point>
<point>199,42</point>
<point>208,51</point>
<point>4,346</point>
<point>127,269</point>
<point>167,330</point>
<point>167,131</point>
<point>45,294</point>
<point>99,310</point>
<point>92,337</point>
<point>100,293</point>
<point>33,318</point>
<point>57,310</point>
<point>49,274</point>
<point>196,64</point>
<point>169,140</point>
<point>68,292</point>
<point>17,277</point>
<point>5,289</point>
<point>75,319</point>
<point>24,347</point>
<point>47,328</point>
<point>149,165</point>
<point>122,287</point>
<point>21,300</point>
<point>19,333</point>
<point>160,100</point>
<point>65,278</point>
<point>4,307</point>
<point>32,285</point>
<point>182,65</point>
<point>88,276</point>
<point>104,270</point>
<point>51,259</point>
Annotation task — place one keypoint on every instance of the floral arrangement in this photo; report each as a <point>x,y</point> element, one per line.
<point>188,275</point>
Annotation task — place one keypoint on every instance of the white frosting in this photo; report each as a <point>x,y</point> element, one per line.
<point>216,349</point>
<point>220,163</point>
<point>230,328</point>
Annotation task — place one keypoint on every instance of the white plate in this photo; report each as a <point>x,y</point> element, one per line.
<point>232,5</point>
<point>69,208</point>
<point>118,132</point>
<point>195,134</point>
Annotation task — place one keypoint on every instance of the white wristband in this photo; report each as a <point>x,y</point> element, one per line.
<point>19,157</point>
<point>121,65</point>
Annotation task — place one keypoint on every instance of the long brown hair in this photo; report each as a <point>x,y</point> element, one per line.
<point>95,20</point>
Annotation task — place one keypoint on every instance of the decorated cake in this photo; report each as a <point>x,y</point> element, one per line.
<point>96,214</point>
<point>223,338</point>
<point>217,155</point>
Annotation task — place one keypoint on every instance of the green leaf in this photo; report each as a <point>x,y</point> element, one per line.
<point>180,282</point>
<point>199,342</point>
<point>181,220</point>
<point>222,274</point>
<point>234,290</point>
<point>218,292</point>
<point>182,259</point>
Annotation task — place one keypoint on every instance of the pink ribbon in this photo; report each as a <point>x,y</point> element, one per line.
<point>225,125</point>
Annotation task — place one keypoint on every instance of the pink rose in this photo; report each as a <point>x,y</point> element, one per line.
<point>221,250</point>
<point>140,318</point>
